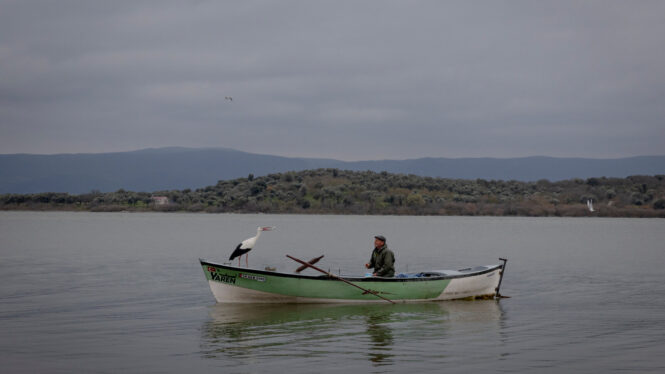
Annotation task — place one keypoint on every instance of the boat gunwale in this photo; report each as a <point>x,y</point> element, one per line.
<point>489,269</point>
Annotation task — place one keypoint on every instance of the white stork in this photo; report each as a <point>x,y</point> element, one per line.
<point>247,245</point>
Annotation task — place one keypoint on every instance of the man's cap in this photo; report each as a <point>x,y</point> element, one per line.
<point>381,238</point>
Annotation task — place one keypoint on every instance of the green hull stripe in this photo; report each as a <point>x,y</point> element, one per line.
<point>323,287</point>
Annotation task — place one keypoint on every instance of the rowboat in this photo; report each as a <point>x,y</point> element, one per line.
<point>231,284</point>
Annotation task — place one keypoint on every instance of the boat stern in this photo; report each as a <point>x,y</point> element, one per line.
<point>479,284</point>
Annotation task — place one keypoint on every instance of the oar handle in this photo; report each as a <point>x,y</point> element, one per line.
<point>338,277</point>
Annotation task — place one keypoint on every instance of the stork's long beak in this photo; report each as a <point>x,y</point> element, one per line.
<point>267,228</point>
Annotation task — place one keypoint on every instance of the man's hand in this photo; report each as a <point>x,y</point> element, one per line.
<point>367,265</point>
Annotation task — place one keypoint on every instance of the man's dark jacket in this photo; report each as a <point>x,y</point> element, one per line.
<point>383,262</point>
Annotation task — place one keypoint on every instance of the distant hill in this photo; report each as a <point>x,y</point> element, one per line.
<point>181,168</point>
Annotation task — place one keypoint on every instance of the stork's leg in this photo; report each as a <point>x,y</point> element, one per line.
<point>239,261</point>
<point>247,259</point>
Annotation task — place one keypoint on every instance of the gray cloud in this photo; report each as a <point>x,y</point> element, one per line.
<point>343,79</point>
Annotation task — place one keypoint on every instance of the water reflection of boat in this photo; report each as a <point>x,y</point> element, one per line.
<point>239,330</point>
<point>267,314</point>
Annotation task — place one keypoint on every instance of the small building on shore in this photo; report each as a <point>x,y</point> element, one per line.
<point>160,200</point>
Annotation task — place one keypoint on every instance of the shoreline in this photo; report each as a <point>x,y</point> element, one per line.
<point>577,213</point>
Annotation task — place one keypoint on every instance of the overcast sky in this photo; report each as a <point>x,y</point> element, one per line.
<point>351,80</point>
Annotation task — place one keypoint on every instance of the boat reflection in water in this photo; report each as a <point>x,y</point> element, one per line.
<point>381,337</point>
<point>380,333</point>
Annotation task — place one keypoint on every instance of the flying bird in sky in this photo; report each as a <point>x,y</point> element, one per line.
<point>247,245</point>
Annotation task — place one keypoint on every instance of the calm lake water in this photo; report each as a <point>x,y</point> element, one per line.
<point>123,292</point>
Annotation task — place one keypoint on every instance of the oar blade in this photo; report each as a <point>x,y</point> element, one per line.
<point>311,262</point>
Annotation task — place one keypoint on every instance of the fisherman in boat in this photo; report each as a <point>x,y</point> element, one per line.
<point>382,260</point>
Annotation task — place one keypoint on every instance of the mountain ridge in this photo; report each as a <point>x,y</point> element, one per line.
<point>167,168</point>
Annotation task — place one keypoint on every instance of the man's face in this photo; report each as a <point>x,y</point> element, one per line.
<point>378,243</point>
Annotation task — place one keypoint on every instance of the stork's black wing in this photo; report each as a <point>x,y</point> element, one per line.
<point>239,252</point>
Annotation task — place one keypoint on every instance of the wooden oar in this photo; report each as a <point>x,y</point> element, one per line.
<point>338,278</point>
<point>311,262</point>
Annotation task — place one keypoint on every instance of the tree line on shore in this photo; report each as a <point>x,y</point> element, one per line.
<point>333,191</point>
